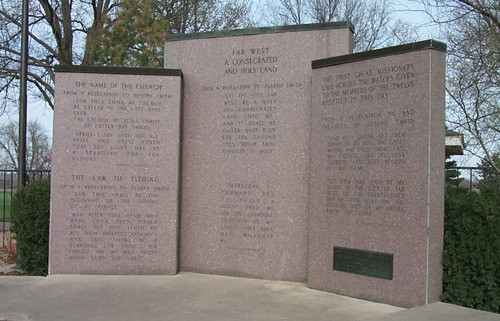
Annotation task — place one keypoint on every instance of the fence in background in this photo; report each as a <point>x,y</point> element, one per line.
<point>471,174</point>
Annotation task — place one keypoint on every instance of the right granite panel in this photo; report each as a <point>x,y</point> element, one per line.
<point>377,174</point>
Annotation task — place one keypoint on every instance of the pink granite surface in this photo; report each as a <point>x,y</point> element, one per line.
<point>114,206</point>
<point>377,167</point>
<point>246,150</point>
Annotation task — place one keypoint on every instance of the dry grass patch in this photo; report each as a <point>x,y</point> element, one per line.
<point>7,248</point>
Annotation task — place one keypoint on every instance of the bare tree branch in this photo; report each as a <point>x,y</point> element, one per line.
<point>38,149</point>
<point>375,25</point>
<point>472,30</point>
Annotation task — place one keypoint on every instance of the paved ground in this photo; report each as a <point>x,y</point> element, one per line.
<point>439,312</point>
<point>189,297</point>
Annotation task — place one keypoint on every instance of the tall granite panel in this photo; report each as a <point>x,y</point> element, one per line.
<point>115,178</point>
<point>377,174</point>
<point>246,146</point>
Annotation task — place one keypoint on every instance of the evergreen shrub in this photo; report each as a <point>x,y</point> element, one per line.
<point>471,258</point>
<point>30,223</point>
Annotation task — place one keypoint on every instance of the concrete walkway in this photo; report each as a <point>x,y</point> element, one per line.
<point>199,297</point>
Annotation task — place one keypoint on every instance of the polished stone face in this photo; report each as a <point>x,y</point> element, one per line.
<point>245,172</point>
<point>377,157</point>
<point>115,173</point>
<point>332,175</point>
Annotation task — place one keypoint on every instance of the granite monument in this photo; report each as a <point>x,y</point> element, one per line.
<point>377,173</point>
<point>246,146</point>
<point>115,179</point>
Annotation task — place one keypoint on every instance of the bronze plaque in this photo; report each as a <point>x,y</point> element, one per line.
<point>369,263</point>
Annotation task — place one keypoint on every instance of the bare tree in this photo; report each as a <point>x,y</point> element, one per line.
<point>289,12</point>
<point>38,146</point>
<point>69,32</point>
<point>60,32</point>
<point>374,21</point>
<point>472,30</point>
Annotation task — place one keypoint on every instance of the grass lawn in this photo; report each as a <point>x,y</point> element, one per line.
<point>5,205</point>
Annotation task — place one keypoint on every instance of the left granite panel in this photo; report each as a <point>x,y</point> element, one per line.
<point>115,182</point>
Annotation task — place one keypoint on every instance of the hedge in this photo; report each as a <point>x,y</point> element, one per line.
<point>30,223</point>
<point>471,259</point>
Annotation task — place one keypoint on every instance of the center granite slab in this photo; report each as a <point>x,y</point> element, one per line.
<point>246,146</point>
